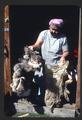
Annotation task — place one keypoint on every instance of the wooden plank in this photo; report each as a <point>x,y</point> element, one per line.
<point>79,65</point>
<point>7,70</point>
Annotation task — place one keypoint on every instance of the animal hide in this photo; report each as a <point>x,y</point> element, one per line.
<point>56,84</point>
<point>24,71</point>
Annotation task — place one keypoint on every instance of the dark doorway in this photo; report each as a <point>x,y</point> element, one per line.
<point>26,22</point>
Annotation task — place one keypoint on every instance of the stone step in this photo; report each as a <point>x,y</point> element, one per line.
<point>26,109</point>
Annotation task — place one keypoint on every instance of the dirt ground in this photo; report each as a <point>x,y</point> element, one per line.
<point>24,108</point>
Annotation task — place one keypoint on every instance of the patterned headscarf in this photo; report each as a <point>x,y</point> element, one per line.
<point>57,22</point>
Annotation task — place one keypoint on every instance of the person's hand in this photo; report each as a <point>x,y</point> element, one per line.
<point>62,60</point>
<point>30,47</point>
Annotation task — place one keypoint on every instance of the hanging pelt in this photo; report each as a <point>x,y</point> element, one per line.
<point>24,70</point>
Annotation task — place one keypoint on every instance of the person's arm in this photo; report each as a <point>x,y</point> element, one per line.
<point>63,57</point>
<point>64,50</point>
<point>37,44</point>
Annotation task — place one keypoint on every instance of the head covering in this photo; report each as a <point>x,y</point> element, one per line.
<point>57,22</point>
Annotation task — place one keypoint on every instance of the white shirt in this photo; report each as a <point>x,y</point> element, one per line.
<point>52,47</point>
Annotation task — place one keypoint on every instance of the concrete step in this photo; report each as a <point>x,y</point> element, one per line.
<point>26,109</point>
